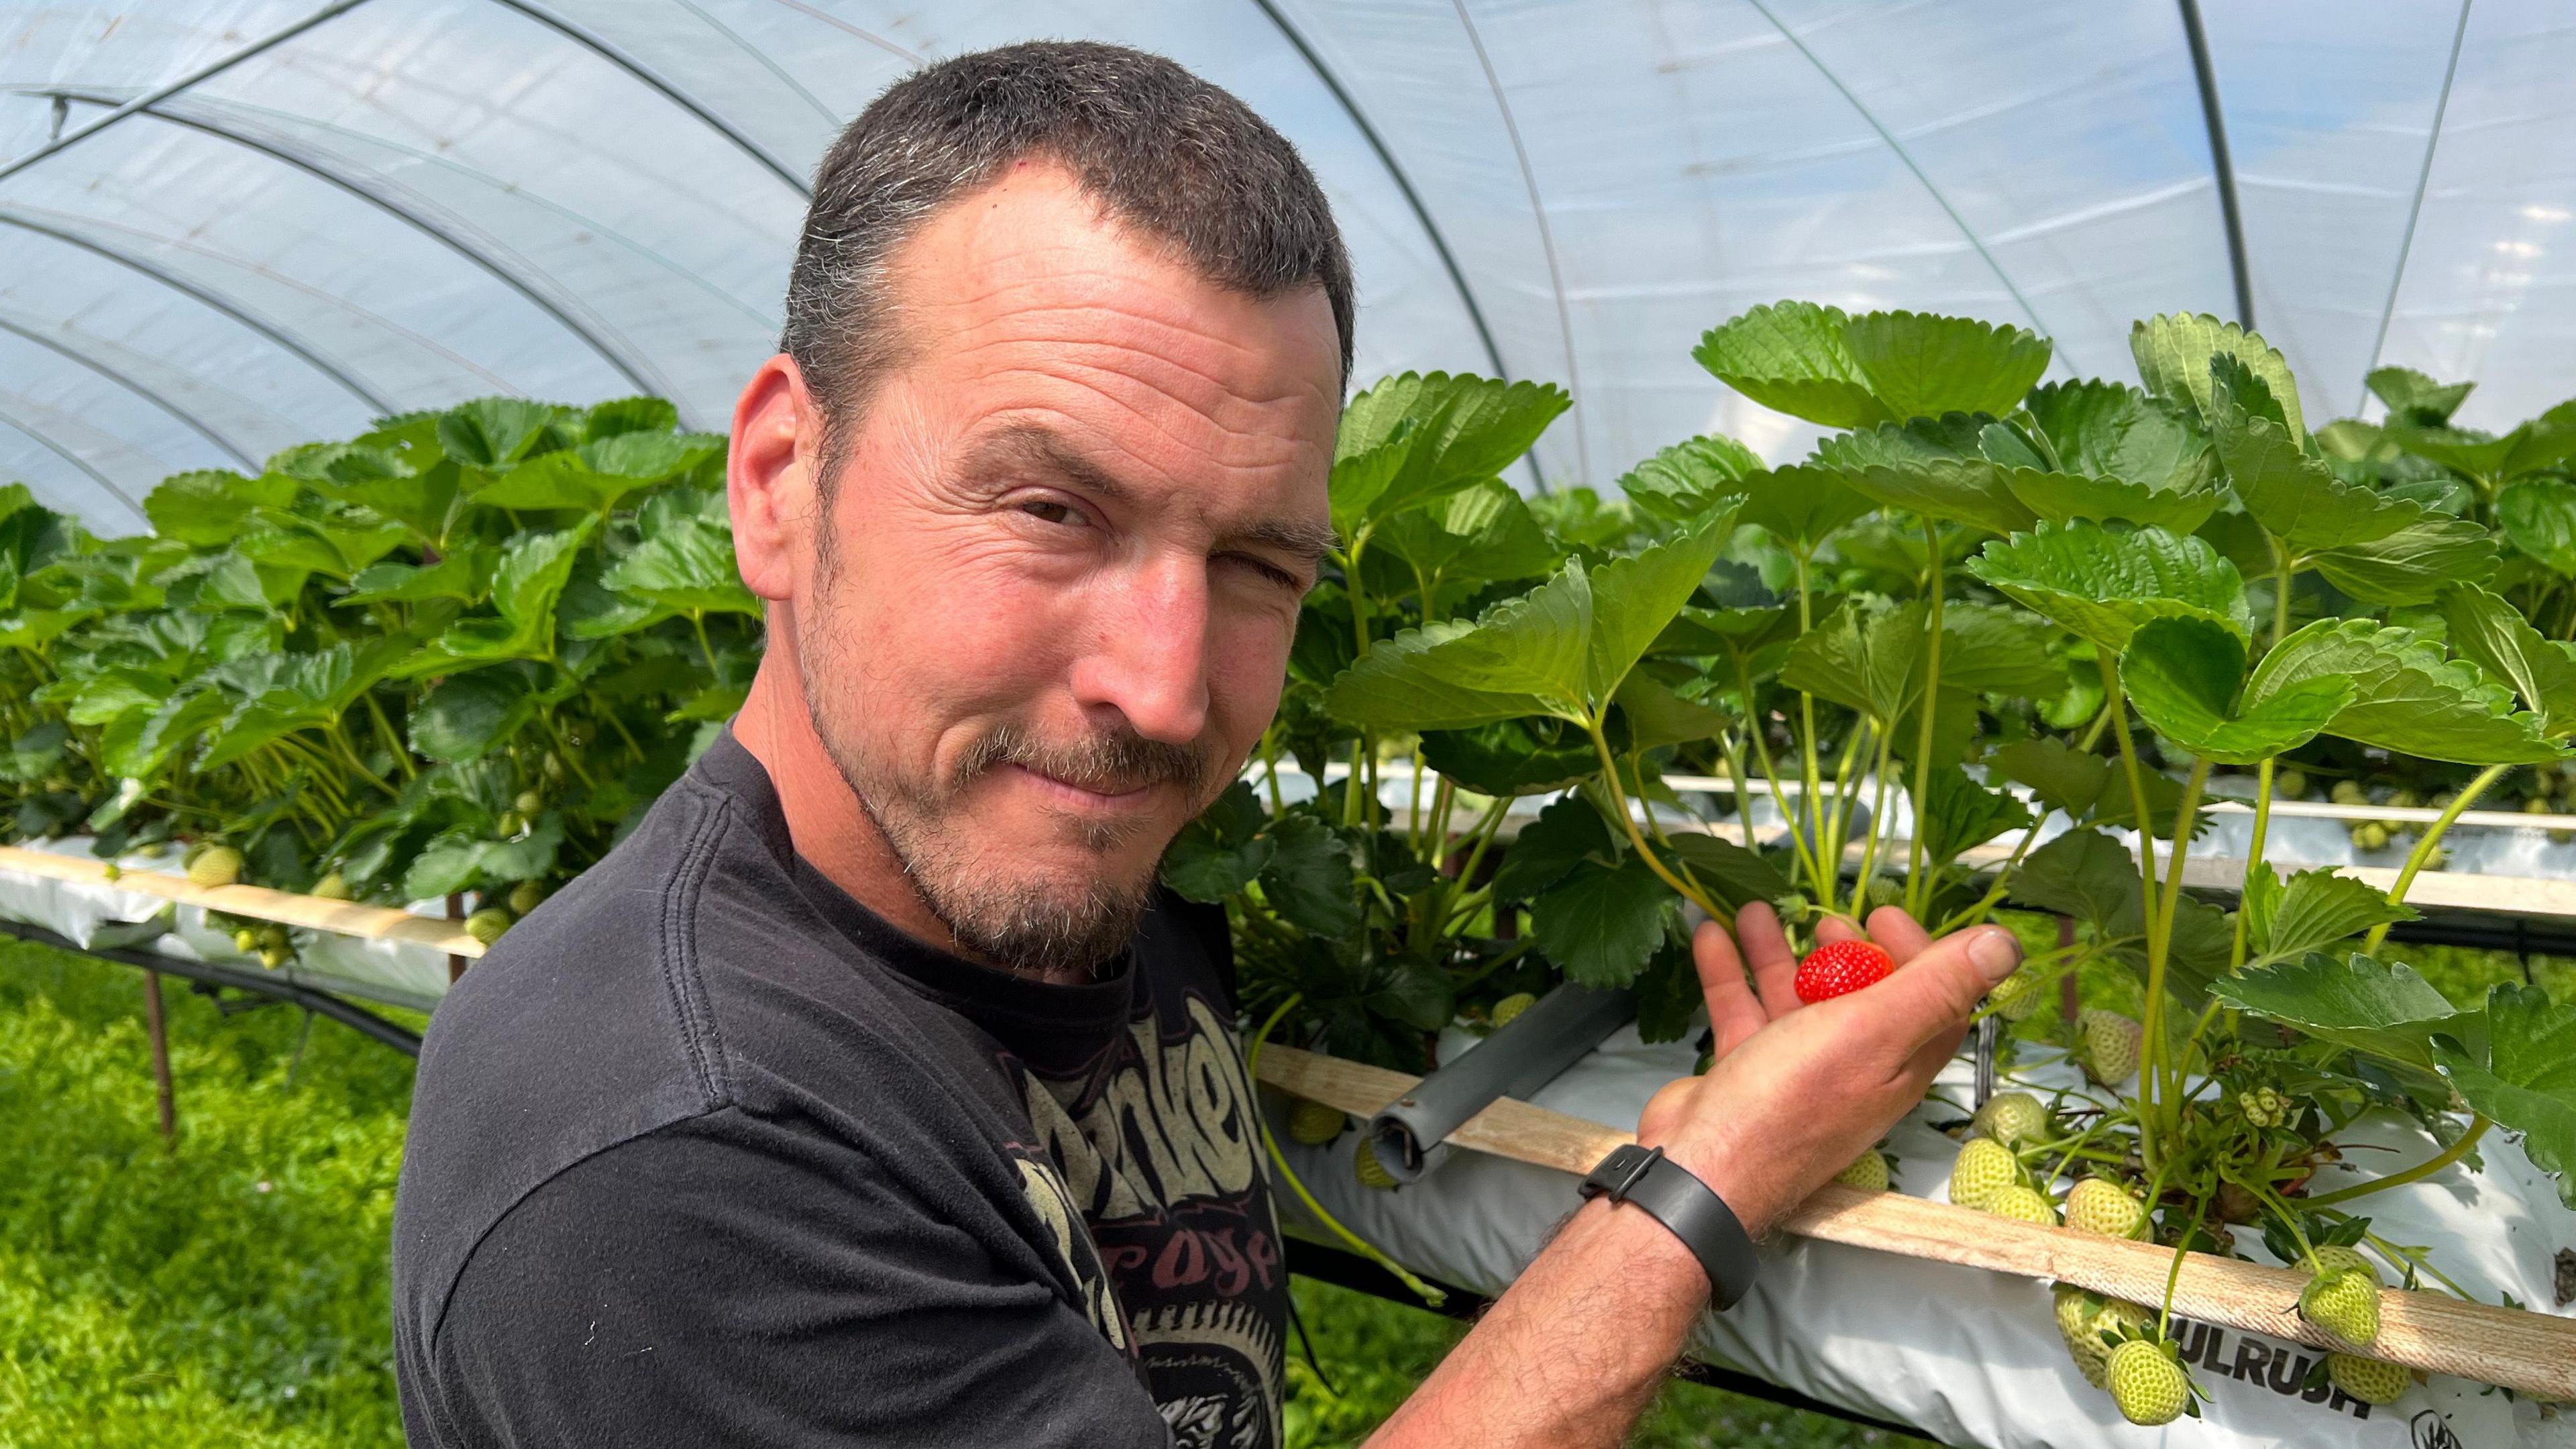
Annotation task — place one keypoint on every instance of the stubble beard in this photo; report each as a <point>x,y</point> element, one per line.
<point>1033,925</point>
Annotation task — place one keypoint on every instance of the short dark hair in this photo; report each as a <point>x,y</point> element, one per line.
<point>1163,151</point>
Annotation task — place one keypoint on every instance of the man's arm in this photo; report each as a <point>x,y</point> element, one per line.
<point>1573,1353</point>
<point>741,1280</point>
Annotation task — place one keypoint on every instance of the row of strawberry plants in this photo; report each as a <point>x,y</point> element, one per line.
<point>459,653</point>
<point>2108,595</point>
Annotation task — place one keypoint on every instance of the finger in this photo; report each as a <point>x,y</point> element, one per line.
<point>1937,990</point>
<point>1898,933</point>
<point>1775,965</point>
<point>1838,928</point>
<point>1733,1014</point>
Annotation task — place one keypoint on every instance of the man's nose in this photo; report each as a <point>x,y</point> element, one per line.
<point>1148,656</point>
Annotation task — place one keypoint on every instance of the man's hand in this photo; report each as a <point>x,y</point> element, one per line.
<point>1797,1092</point>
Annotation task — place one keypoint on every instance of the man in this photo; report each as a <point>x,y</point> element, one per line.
<point>869,1093</point>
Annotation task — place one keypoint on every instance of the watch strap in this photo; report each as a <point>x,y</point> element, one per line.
<point>1670,1194</point>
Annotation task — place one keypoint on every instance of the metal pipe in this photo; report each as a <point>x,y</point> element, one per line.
<point>366,1023</point>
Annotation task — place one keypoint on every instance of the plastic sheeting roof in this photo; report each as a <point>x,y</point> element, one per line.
<point>227,226</point>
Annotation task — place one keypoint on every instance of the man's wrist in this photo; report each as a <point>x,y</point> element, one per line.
<point>1748,1186</point>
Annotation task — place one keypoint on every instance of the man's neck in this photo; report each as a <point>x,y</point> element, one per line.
<point>829,827</point>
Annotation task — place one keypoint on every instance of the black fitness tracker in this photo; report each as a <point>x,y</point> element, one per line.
<point>1671,1195</point>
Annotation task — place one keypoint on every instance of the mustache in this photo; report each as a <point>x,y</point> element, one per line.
<point>1111,762</point>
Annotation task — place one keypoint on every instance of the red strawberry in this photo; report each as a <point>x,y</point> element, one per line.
<point>1840,966</point>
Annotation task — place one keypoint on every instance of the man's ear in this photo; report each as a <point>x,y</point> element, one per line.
<point>770,484</point>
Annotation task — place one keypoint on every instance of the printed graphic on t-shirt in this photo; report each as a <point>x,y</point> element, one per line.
<point>1160,1152</point>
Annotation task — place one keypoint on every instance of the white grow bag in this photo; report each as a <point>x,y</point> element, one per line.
<point>1971,1356</point>
<point>397,973</point>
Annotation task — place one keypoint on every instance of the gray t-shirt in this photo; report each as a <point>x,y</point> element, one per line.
<point>706,1153</point>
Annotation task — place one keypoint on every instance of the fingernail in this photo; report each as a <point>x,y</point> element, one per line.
<point>1996,952</point>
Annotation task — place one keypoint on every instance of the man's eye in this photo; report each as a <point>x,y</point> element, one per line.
<point>1049,510</point>
<point>1270,572</point>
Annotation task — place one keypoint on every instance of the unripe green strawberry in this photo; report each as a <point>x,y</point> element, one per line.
<point>2371,1380</point>
<point>2013,1118</point>
<point>216,865</point>
<point>2369,836</point>
<point>2148,1382</point>
<point>1985,1167</point>
<point>153,849</point>
<point>2082,1318</point>
<point>2099,1205</point>
<point>1313,1123</point>
<point>2290,785</point>
<point>2537,805</point>
<point>526,896</point>
<point>246,940</point>
<point>2349,792</point>
<point>487,924</point>
<point>2022,1204</point>
<point>1510,1007</point>
<point>2017,996</point>
<point>2345,1303</point>
<point>529,802</point>
<point>2264,1107</point>
<point>2333,1257</point>
<point>274,935</point>
<point>2107,1045</point>
<point>1370,1171</point>
<point>1868,1172</point>
<point>332,887</point>
<point>273,957</point>
<point>509,824</point>
<point>112,870</point>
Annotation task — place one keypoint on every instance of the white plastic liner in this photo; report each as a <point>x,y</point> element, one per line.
<point>396,973</point>
<point>1970,1356</point>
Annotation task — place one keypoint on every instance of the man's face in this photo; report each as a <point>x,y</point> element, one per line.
<point>1048,608</point>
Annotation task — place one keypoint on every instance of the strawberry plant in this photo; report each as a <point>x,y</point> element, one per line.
<point>2045,621</point>
<point>455,654</point>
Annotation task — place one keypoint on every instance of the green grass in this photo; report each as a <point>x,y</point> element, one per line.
<point>235,1293</point>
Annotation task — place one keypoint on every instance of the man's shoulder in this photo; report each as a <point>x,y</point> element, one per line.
<point>680,976</point>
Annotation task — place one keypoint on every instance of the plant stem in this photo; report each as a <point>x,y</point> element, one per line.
<point>2425,846</point>
<point>1762,755</point>
<point>1367,1249</point>
<point>1915,889</point>
<point>1811,805</point>
<point>2253,858</point>
<point>1627,822</point>
<point>2160,945</point>
<point>2284,569</point>
<point>2478,1125</point>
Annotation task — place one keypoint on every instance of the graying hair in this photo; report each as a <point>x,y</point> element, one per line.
<point>1163,151</point>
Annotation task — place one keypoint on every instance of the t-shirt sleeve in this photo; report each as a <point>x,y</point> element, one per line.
<point>733,1280</point>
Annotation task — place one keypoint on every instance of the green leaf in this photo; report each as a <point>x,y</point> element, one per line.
<point>2174,356</point>
<point>1458,430</point>
<point>1736,876</point>
<point>2492,634</point>
<point>1220,852</point>
<point>2414,398</point>
<point>1523,656</point>
<point>2063,777</point>
<point>493,432</point>
<point>2539,516</point>
<point>2360,1004</point>
<point>2184,675</point>
<point>2103,584</point>
<point>2203,938</point>
<point>2066,497</point>
<point>2084,874</point>
<point>2411,565</point>
<point>1601,924</point>
<point>1416,994</point>
<point>1792,357</point>
<point>2527,1082</point>
<point>2293,496</point>
<point>469,714</point>
<point>1686,481</point>
<point>525,584</point>
<point>1566,834</point>
<point>1801,506</point>
<point>1921,366</point>
<point>1862,656</point>
<point>1657,717</point>
<point>2318,908</point>
<point>629,415</point>
<point>1483,534</point>
<point>207,507</point>
<point>1308,877</point>
<point>1512,757</point>
<point>2405,695</point>
<point>1930,466</point>
<point>1958,814</point>
<point>465,574</point>
<point>1634,598</point>
<point>2104,430</point>
<point>2543,442</point>
<point>687,567</point>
